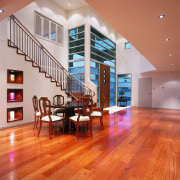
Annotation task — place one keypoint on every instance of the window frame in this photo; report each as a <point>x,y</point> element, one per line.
<point>59,29</point>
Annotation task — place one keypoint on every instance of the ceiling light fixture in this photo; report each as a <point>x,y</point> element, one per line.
<point>170,54</point>
<point>69,4</point>
<point>1,10</point>
<point>167,39</point>
<point>161,16</point>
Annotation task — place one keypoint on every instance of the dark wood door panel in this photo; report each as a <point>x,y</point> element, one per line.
<point>104,84</point>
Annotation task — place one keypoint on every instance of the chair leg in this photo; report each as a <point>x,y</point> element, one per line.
<point>38,119</point>
<point>77,129</point>
<point>69,127</point>
<point>63,126</point>
<point>50,130</point>
<point>39,128</point>
<point>34,122</point>
<point>91,128</point>
<point>101,121</point>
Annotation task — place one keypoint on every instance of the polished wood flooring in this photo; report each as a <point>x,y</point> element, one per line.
<point>136,144</point>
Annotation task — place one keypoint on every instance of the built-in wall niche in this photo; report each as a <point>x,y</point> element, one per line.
<point>14,114</point>
<point>14,95</point>
<point>14,76</point>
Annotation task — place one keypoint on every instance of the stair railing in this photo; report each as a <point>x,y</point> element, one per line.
<point>22,39</point>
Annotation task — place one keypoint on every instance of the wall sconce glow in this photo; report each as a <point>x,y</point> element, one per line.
<point>12,115</point>
<point>12,77</point>
<point>161,16</point>
<point>12,96</point>
<point>1,10</point>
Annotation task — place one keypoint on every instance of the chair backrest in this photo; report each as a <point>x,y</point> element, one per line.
<point>44,105</point>
<point>58,100</point>
<point>35,103</point>
<point>85,105</point>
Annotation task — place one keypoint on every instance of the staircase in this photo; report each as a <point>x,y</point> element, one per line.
<point>27,45</point>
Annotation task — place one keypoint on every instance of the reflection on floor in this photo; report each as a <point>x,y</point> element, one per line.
<point>113,109</point>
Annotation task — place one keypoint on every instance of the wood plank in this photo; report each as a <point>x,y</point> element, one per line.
<point>136,143</point>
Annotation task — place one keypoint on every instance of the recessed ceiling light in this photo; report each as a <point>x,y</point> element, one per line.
<point>69,4</point>
<point>1,10</point>
<point>172,64</point>
<point>167,39</point>
<point>161,16</point>
<point>170,54</point>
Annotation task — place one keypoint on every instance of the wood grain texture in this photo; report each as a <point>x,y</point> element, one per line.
<point>136,144</point>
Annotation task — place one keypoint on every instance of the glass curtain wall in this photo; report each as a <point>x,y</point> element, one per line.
<point>76,52</point>
<point>103,51</point>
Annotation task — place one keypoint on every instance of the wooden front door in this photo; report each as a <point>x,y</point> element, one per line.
<point>105,84</point>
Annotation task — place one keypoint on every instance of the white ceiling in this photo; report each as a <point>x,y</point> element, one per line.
<point>137,21</point>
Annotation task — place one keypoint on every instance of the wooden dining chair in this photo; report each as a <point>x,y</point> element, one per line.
<point>46,117</point>
<point>58,100</point>
<point>83,114</point>
<point>98,112</point>
<point>37,113</point>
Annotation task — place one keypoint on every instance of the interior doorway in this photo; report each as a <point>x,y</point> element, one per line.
<point>124,86</point>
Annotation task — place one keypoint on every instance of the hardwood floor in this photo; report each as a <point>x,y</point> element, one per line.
<point>136,144</point>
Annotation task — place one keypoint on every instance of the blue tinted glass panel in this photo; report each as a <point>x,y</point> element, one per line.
<point>94,70</point>
<point>94,77</point>
<point>112,80</point>
<point>124,85</point>
<point>124,80</point>
<point>124,88</point>
<point>53,36</point>
<point>113,75</point>
<point>77,70</point>
<point>79,76</point>
<point>73,31</point>
<point>112,89</point>
<point>96,83</point>
<point>127,45</point>
<point>127,98</point>
<point>129,103</point>
<point>127,93</point>
<point>94,64</point>
<point>112,103</point>
<point>76,56</point>
<point>112,98</point>
<point>76,64</point>
<point>113,84</point>
<point>112,94</point>
<point>113,70</point>
<point>110,63</point>
<point>98,95</point>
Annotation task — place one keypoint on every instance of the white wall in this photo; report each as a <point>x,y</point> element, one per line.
<point>165,85</point>
<point>165,89</point>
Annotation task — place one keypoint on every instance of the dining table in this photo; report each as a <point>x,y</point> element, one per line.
<point>69,110</point>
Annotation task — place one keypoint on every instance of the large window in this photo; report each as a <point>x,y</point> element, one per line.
<point>76,52</point>
<point>103,50</point>
<point>48,29</point>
